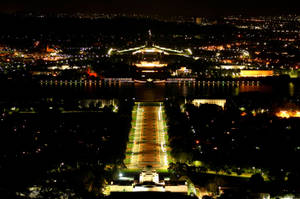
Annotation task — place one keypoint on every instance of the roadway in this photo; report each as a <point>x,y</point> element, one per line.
<point>147,139</point>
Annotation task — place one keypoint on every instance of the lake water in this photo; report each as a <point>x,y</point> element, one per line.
<point>144,92</point>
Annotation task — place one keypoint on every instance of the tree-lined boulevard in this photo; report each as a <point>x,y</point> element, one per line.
<point>147,144</point>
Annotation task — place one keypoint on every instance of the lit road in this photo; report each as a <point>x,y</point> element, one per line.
<point>147,141</point>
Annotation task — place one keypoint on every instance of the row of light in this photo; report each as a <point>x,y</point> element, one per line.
<point>162,135</point>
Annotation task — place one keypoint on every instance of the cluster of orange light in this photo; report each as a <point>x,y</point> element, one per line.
<point>149,71</point>
<point>288,114</point>
<point>256,73</point>
<point>212,48</point>
<point>243,114</point>
<point>286,39</point>
<point>91,73</point>
<point>3,54</point>
<point>56,58</point>
<point>223,47</point>
<point>50,50</point>
<point>155,64</point>
<point>227,61</point>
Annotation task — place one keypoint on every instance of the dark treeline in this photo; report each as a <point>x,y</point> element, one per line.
<point>71,154</point>
<point>244,137</point>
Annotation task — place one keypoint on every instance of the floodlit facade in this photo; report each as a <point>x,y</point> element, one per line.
<point>148,181</point>
<point>149,65</point>
<point>256,73</point>
<point>219,102</point>
<point>232,67</point>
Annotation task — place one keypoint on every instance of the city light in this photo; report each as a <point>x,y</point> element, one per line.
<point>256,73</point>
<point>149,71</point>
<point>287,114</point>
<point>148,50</point>
<point>155,64</point>
<point>189,51</point>
<point>109,51</point>
<point>219,100</point>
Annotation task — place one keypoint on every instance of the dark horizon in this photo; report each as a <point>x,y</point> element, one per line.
<point>154,7</point>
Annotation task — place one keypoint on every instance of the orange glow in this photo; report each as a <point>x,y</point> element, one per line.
<point>145,64</point>
<point>213,48</point>
<point>297,114</point>
<point>256,73</point>
<point>243,114</point>
<point>149,71</point>
<point>56,58</point>
<point>50,50</point>
<point>227,61</point>
<point>91,74</point>
<point>197,141</point>
<point>220,48</point>
<point>182,68</point>
<point>288,114</point>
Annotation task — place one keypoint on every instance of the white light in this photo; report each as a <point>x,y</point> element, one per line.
<point>110,51</point>
<point>159,113</point>
<point>190,51</point>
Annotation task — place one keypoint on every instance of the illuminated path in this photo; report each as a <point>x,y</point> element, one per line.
<point>147,139</point>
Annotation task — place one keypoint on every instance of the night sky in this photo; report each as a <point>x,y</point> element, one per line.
<point>157,7</point>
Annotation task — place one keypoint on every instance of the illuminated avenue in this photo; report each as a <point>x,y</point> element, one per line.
<point>147,145</point>
<point>105,106</point>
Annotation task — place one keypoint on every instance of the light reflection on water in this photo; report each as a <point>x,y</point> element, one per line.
<point>291,89</point>
<point>158,92</point>
<point>145,92</point>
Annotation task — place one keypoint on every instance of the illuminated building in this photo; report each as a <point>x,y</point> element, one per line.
<point>287,114</point>
<point>219,102</point>
<point>150,48</point>
<point>245,71</point>
<point>256,73</point>
<point>148,181</point>
<point>183,71</point>
<point>148,60</point>
<point>150,71</point>
<point>153,65</point>
<point>232,67</point>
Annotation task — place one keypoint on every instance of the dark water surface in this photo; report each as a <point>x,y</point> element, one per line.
<point>144,92</point>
